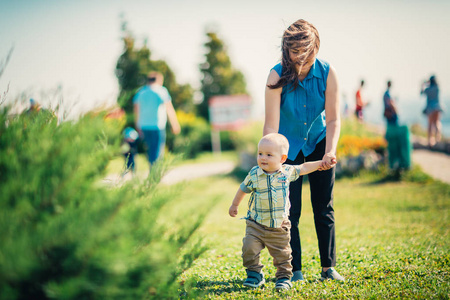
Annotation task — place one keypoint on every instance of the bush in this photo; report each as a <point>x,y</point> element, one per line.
<point>360,148</point>
<point>350,145</point>
<point>65,235</point>
<point>247,138</point>
<point>246,142</point>
<point>195,136</point>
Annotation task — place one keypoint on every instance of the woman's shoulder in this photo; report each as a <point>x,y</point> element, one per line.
<point>323,69</point>
<point>323,65</point>
<point>278,68</point>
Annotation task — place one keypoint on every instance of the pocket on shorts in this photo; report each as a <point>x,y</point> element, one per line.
<point>286,226</point>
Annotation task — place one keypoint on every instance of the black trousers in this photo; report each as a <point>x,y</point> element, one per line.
<point>321,185</point>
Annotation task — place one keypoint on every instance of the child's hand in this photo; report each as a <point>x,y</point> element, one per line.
<point>140,132</point>
<point>328,161</point>
<point>233,211</point>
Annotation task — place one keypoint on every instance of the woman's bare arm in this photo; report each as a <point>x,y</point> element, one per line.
<point>272,105</point>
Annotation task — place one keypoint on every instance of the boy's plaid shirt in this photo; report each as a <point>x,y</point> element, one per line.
<point>269,201</point>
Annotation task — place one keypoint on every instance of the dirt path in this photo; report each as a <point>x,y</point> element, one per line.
<point>433,163</point>
<point>192,171</point>
<point>178,174</point>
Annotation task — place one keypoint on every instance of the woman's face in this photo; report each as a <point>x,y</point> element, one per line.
<point>295,55</point>
<point>309,61</point>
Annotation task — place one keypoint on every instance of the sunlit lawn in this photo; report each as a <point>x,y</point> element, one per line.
<point>393,242</point>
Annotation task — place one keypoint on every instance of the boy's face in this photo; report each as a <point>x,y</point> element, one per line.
<point>269,157</point>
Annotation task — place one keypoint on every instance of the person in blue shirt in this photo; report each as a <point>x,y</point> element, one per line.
<point>302,103</point>
<point>152,106</point>
<point>433,110</point>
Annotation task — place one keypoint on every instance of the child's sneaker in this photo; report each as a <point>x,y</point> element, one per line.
<point>332,275</point>
<point>254,279</point>
<point>283,284</point>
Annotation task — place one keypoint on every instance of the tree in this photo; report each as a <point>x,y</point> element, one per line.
<point>219,77</point>
<point>132,68</point>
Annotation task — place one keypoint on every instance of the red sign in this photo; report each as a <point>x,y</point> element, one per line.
<point>229,112</point>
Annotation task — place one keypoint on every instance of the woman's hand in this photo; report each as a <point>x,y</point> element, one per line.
<point>328,161</point>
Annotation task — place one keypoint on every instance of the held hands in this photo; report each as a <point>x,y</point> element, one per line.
<point>140,132</point>
<point>233,211</point>
<point>328,161</point>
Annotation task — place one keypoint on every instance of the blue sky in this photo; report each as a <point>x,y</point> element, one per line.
<point>75,44</point>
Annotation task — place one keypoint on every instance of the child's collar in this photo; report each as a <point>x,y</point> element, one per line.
<point>260,171</point>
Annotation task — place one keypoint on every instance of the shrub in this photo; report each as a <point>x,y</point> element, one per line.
<point>65,235</point>
<point>417,129</point>
<point>350,145</point>
<point>360,147</point>
<point>247,138</point>
<point>195,136</point>
<point>246,142</point>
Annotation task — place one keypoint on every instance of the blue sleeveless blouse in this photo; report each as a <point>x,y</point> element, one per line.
<point>302,111</point>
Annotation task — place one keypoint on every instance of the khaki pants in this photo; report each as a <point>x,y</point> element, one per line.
<point>276,240</point>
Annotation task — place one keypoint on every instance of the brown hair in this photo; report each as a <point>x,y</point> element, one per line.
<point>303,35</point>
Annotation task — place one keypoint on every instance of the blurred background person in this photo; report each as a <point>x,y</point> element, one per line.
<point>34,106</point>
<point>360,103</point>
<point>390,109</point>
<point>433,110</point>
<point>397,136</point>
<point>152,106</point>
<point>130,149</point>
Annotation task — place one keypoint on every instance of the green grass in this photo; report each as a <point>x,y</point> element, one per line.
<point>392,242</point>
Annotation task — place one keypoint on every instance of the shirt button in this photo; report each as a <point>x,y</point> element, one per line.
<point>304,123</point>
<point>304,105</point>
<point>305,139</point>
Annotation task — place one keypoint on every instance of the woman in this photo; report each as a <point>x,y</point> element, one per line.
<point>432,110</point>
<point>302,103</point>
<point>390,109</point>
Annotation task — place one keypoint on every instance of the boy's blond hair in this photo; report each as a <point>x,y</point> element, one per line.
<point>278,139</point>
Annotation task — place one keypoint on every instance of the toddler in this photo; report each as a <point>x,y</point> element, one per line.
<point>268,210</point>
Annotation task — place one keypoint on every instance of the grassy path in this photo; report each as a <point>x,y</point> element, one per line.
<point>393,242</point>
